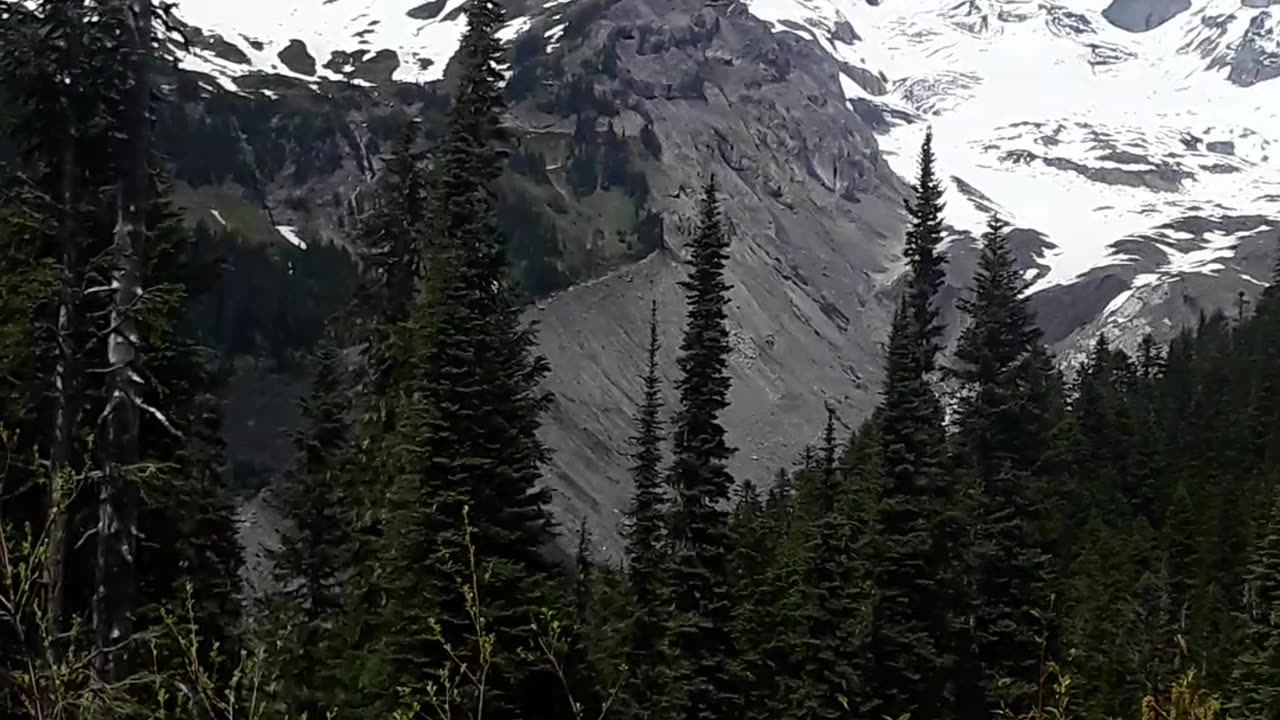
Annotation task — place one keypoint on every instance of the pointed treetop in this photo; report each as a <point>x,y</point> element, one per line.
<point>583,564</point>
<point>1101,350</point>
<point>829,437</point>
<point>649,430</point>
<point>705,346</point>
<point>1002,332</point>
<point>924,236</point>
<point>646,516</point>
<point>925,161</point>
<point>654,343</point>
<point>747,502</point>
<point>995,233</point>
<point>583,554</point>
<point>1150,356</point>
<point>827,464</point>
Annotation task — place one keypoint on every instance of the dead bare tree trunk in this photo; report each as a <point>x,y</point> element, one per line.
<point>118,496</point>
<point>66,387</point>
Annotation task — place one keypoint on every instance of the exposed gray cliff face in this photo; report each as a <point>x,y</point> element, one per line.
<point>1143,15</point>
<point>1258,57</point>
<point>814,216</point>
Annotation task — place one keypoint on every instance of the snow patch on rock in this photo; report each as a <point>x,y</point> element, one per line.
<point>290,233</point>
<point>423,35</point>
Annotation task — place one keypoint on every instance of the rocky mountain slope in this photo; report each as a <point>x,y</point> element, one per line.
<point>1133,144</point>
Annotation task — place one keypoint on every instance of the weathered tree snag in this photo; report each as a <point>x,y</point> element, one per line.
<point>118,497</point>
<point>66,382</point>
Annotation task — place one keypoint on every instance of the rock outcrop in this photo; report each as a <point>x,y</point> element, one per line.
<point>1257,58</point>
<point>1143,15</point>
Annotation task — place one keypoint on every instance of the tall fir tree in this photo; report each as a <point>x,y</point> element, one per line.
<point>700,478</point>
<point>393,234</point>
<point>469,408</point>
<point>917,633</point>
<point>648,565</point>
<point>315,546</point>
<point>581,682</point>
<point>1154,647</point>
<point>835,643</point>
<point>1005,420</point>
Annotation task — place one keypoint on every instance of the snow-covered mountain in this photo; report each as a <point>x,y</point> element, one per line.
<point>1056,114</point>
<point>1134,144</point>
<point>1067,124</point>
<point>1099,125</point>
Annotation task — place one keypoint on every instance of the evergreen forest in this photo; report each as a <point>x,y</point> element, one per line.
<point>1001,538</point>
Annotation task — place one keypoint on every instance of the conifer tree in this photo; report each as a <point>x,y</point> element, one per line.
<point>466,421</point>
<point>1256,678</point>
<point>1099,616</point>
<point>391,234</point>
<point>647,551</point>
<point>1004,426</point>
<point>924,236</point>
<point>45,122</point>
<point>1182,560</point>
<point>699,478</point>
<point>584,565</point>
<point>773,605</point>
<point>1154,648</point>
<point>916,632</point>
<point>190,549</point>
<point>753,544</point>
<point>582,683</point>
<point>315,546</point>
<point>862,464</point>
<point>469,288</point>
<point>835,642</point>
<point>910,652</point>
<point>392,238</point>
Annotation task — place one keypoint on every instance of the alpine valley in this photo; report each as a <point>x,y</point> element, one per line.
<point>1134,146</point>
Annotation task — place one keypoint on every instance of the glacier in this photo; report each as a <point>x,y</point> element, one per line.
<point>1025,98</point>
